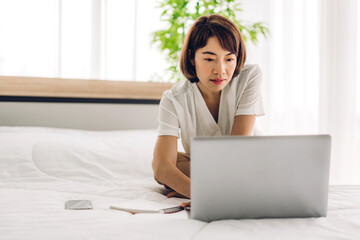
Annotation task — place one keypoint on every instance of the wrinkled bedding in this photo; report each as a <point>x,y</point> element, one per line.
<point>42,168</point>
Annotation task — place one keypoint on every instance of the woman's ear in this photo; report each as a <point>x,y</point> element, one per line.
<point>192,62</point>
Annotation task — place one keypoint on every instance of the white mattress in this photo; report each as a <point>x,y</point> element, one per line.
<point>41,168</point>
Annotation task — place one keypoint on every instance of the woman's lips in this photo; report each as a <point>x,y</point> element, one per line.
<point>217,81</point>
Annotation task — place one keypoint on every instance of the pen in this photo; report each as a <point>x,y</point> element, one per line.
<point>174,209</point>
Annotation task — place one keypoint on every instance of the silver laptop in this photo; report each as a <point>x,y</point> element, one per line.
<point>243,177</point>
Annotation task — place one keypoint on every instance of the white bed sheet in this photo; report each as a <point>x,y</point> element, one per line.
<point>42,168</point>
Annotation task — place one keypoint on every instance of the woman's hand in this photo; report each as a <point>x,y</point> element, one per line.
<point>186,206</point>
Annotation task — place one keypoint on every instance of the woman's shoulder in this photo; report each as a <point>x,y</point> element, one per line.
<point>248,72</point>
<point>180,88</point>
<point>250,69</point>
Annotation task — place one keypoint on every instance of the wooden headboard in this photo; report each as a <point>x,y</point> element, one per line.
<point>79,104</point>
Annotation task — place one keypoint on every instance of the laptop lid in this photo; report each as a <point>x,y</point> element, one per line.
<point>240,177</point>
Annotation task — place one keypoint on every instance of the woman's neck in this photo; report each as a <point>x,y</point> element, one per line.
<point>209,97</point>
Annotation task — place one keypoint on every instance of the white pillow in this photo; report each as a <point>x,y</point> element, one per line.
<point>114,156</point>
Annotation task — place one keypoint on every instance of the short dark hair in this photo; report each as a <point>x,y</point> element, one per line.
<point>227,33</point>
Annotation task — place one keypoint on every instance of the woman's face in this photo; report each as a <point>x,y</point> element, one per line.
<point>214,66</point>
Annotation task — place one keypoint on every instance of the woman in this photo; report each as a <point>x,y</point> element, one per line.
<point>221,96</point>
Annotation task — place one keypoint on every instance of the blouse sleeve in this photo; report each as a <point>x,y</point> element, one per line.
<point>167,118</point>
<point>249,102</point>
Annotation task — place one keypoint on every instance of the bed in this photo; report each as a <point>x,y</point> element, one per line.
<point>43,167</point>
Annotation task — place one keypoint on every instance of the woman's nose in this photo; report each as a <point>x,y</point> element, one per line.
<point>219,68</point>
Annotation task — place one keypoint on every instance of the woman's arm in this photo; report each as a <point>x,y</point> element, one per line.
<point>243,125</point>
<point>164,165</point>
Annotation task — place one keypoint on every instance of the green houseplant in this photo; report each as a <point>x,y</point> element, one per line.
<point>181,14</point>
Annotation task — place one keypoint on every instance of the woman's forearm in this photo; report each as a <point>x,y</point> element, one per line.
<point>175,179</point>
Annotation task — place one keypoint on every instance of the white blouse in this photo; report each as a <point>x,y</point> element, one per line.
<point>182,108</point>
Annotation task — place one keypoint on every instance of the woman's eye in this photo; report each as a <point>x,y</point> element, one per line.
<point>209,59</point>
<point>230,60</point>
